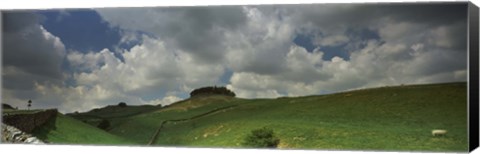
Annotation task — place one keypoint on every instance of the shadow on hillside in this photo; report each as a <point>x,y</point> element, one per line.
<point>42,131</point>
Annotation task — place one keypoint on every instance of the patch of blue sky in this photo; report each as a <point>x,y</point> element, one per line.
<point>183,95</point>
<point>136,40</point>
<point>304,41</point>
<point>161,93</point>
<point>335,51</point>
<point>282,92</point>
<point>70,81</point>
<point>341,50</point>
<point>83,30</point>
<point>225,78</point>
<point>149,95</point>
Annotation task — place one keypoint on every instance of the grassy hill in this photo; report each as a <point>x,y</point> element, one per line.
<point>66,130</point>
<point>113,113</point>
<point>141,127</point>
<point>386,118</point>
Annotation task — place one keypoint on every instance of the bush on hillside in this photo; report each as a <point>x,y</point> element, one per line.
<point>104,124</point>
<point>212,90</point>
<point>261,138</point>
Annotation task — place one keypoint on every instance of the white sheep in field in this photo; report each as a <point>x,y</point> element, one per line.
<point>439,132</point>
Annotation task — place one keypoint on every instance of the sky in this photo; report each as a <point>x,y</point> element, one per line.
<point>80,59</point>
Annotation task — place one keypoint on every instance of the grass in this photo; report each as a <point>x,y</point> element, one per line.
<point>385,118</point>
<point>113,113</point>
<point>66,130</point>
<point>148,123</point>
<point>394,118</point>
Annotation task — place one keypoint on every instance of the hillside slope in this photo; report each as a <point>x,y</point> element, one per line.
<point>66,130</point>
<point>141,128</point>
<point>113,113</point>
<point>387,118</point>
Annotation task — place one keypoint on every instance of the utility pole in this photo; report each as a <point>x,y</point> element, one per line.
<point>29,104</point>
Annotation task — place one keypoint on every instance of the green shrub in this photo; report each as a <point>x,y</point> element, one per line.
<point>261,138</point>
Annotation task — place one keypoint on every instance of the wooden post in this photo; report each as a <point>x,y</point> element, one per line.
<point>29,104</point>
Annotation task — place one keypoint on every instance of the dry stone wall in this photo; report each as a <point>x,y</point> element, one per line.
<point>28,122</point>
<point>13,135</point>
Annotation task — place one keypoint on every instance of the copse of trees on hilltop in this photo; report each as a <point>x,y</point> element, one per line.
<point>212,91</point>
<point>122,104</point>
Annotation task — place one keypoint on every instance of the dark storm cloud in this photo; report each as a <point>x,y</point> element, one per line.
<point>30,54</point>
<point>430,13</point>
<point>18,21</point>
<point>366,14</point>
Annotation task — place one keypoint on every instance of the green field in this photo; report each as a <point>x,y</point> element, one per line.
<point>385,118</point>
<point>66,130</point>
<point>115,114</point>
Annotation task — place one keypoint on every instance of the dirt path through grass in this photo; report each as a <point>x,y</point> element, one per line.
<point>154,137</point>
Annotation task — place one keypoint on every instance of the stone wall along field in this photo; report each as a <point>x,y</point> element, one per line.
<point>28,122</point>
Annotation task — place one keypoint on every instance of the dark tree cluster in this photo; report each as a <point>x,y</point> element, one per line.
<point>104,124</point>
<point>122,104</point>
<point>212,91</point>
